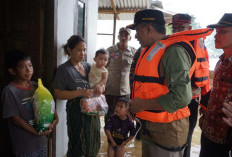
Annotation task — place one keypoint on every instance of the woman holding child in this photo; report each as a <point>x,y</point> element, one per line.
<point>71,83</point>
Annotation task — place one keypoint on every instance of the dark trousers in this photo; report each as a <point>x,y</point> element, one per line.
<point>193,107</point>
<point>111,101</point>
<point>211,149</point>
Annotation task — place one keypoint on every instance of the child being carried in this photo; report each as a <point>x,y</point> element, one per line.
<point>97,79</point>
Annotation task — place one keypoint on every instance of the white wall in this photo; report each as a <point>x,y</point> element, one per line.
<point>92,14</point>
<point>65,29</point>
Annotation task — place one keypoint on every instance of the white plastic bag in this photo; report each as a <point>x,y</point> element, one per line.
<point>94,106</point>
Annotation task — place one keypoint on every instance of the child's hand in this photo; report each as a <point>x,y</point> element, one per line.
<point>123,144</point>
<point>87,92</point>
<point>97,90</point>
<point>115,148</point>
<point>44,132</point>
<point>55,122</point>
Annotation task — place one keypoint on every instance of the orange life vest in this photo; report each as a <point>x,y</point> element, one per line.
<point>147,83</point>
<point>201,72</point>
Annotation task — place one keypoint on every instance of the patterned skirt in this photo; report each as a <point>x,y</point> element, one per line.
<point>83,131</point>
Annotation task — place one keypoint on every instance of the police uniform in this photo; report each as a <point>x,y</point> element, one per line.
<point>118,79</point>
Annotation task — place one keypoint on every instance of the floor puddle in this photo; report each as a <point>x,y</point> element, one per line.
<point>133,148</point>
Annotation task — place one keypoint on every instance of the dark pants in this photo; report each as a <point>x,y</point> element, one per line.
<point>211,149</point>
<point>111,101</point>
<point>193,107</point>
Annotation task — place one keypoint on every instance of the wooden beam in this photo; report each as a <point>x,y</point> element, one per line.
<point>114,8</point>
<point>104,34</point>
<point>114,28</point>
<point>109,11</point>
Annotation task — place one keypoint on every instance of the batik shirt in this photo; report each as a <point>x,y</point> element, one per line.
<point>211,123</point>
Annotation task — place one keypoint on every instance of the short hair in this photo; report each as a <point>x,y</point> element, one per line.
<point>13,57</point>
<point>125,100</point>
<point>159,28</point>
<point>100,51</point>
<point>72,42</point>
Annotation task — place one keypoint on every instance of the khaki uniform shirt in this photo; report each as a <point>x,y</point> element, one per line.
<point>119,69</point>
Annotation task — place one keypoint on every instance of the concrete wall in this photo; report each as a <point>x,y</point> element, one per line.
<point>91,39</point>
<point>65,28</point>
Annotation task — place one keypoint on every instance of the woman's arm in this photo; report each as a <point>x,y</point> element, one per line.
<point>66,95</point>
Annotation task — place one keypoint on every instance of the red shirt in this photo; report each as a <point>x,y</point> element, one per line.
<point>211,123</point>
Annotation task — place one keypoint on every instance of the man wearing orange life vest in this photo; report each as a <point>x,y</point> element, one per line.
<point>161,84</point>
<point>200,78</point>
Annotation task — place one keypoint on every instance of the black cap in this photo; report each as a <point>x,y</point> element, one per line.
<point>148,16</point>
<point>225,21</point>
<point>181,19</point>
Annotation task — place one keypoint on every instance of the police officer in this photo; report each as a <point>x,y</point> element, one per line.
<point>120,60</point>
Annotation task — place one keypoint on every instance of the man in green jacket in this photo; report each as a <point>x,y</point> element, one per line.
<point>163,139</point>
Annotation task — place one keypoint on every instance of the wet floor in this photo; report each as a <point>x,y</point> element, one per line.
<point>133,148</point>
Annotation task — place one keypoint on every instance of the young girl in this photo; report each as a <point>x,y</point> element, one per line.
<point>98,74</point>
<point>117,128</point>
<point>17,108</point>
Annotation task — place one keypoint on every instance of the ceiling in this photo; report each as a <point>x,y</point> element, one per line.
<point>125,9</point>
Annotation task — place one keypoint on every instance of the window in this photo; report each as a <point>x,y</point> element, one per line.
<point>80,19</point>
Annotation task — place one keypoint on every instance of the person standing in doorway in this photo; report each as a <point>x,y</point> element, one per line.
<point>17,100</point>
<point>120,60</point>
<point>200,78</point>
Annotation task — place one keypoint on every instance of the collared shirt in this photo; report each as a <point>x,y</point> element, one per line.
<point>211,123</point>
<point>176,73</point>
<point>175,67</point>
<point>119,68</point>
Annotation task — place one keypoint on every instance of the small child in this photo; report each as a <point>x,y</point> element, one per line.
<point>17,108</point>
<point>117,128</point>
<point>98,73</point>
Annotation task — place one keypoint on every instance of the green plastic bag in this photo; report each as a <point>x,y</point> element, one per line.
<point>44,107</point>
